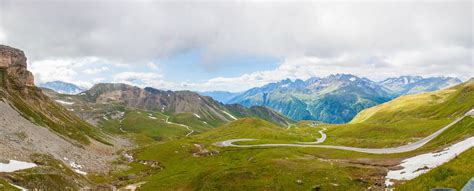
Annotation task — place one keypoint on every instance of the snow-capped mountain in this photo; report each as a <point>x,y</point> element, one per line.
<point>333,99</point>
<point>62,87</point>
<point>416,84</point>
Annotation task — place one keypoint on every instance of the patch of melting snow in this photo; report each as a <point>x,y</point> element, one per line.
<point>64,102</point>
<point>195,114</point>
<point>133,187</point>
<point>417,165</point>
<point>19,187</point>
<point>75,166</point>
<point>228,114</point>
<point>14,165</point>
<point>151,117</point>
<point>128,157</point>
<point>80,172</point>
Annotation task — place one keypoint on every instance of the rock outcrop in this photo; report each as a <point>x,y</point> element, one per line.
<point>13,61</point>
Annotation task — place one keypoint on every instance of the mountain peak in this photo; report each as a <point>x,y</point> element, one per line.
<point>407,84</point>
<point>62,87</point>
<point>13,61</point>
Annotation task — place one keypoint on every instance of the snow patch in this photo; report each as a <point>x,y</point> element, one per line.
<point>19,187</point>
<point>417,165</point>
<point>352,79</point>
<point>195,114</point>
<point>80,172</point>
<point>14,165</point>
<point>64,102</point>
<point>75,166</point>
<point>228,114</point>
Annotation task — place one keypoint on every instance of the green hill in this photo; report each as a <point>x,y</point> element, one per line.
<point>405,119</point>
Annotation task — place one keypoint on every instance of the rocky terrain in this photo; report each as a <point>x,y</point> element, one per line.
<point>32,125</point>
<point>173,102</point>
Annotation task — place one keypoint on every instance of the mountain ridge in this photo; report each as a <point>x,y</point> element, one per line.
<point>62,87</point>
<point>335,98</point>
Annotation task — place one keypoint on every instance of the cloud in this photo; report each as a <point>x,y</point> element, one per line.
<point>138,78</point>
<point>372,39</point>
<point>95,70</point>
<point>144,30</point>
<point>79,71</point>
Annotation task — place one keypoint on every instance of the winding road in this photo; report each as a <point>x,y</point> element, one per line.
<point>318,140</point>
<point>400,149</point>
<point>182,125</point>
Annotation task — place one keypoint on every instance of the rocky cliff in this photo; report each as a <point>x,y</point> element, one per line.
<point>13,61</point>
<point>18,90</point>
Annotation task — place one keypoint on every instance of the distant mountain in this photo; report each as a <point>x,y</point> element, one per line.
<point>222,96</point>
<point>62,87</point>
<point>176,102</point>
<point>334,99</point>
<point>415,84</point>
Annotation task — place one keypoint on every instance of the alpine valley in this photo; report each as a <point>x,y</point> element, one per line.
<point>407,133</point>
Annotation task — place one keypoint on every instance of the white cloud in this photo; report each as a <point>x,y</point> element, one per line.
<point>3,37</point>
<point>95,70</point>
<point>372,39</point>
<point>138,78</point>
<point>153,66</point>
<point>135,31</point>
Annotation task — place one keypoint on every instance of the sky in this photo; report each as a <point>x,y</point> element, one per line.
<point>237,45</point>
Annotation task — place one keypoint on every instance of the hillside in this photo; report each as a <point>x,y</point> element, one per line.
<point>446,103</point>
<point>37,129</point>
<point>183,107</point>
<point>405,119</point>
<point>19,91</point>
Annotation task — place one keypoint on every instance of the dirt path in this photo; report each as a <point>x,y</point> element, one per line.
<point>400,149</point>
<point>191,131</point>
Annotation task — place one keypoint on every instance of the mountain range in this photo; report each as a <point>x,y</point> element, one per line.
<point>205,108</point>
<point>404,85</point>
<point>335,98</point>
<point>62,87</point>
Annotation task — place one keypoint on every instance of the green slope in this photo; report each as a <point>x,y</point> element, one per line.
<point>38,108</point>
<point>405,119</point>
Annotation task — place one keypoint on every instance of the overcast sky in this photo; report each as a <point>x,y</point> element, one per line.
<point>237,45</point>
